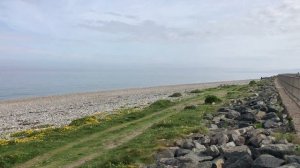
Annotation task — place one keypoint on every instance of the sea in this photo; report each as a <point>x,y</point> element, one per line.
<point>17,84</point>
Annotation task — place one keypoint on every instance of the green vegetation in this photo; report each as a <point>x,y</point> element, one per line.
<point>190,107</point>
<point>252,83</point>
<point>126,138</point>
<point>176,95</point>
<point>196,91</point>
<point>85,121</point>
<point>210,99</point>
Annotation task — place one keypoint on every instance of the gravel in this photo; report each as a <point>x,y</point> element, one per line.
<point>21,114</point>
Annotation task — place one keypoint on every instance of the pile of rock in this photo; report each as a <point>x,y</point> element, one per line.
<point>240,136</point>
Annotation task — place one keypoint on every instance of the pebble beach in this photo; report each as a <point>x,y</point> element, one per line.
<point>22,114</point>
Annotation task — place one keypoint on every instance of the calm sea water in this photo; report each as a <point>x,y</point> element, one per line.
<point>21,84</point>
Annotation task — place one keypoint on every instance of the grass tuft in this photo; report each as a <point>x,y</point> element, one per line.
<point>177,94</point>
<point>210,99</point>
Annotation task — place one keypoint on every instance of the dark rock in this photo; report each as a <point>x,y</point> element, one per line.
<point>244,162</point>
<point>271,116</point>
<point>224,109</point>
<point>277,150</point>
<point>267,161</point>
<point>257,140</point>
<point>291,165</point>
<point>271,124</point>
<point>243,124</point>
<point>181,152</point>
<point>248,117</point>
<point>272,108</point>
<point>292,159</point>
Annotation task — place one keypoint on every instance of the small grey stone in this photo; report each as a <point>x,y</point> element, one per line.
<point>181,152</point>
<point>212,151</point>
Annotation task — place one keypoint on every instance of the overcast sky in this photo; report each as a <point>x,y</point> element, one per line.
<point>250,35</point>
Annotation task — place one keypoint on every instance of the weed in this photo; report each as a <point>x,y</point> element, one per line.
<point>210,99</point>
<point>177,94</point>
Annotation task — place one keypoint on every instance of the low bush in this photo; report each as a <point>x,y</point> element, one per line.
<point>196,91</point>
<point>161,104</point>
<point>210,99</point>
<point>190,107</point>
<point>252,83</point>
<point>177,94</point>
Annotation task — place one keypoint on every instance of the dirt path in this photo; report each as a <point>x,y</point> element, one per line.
<point>110,145</point>
<point>38,161</point>
<point>292,108</point>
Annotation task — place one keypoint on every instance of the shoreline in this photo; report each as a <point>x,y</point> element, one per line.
<point>25,113</point>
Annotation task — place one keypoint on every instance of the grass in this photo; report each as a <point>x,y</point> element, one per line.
<point>129,137</point>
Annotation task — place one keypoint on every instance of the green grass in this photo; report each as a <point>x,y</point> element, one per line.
<point>128,137</point>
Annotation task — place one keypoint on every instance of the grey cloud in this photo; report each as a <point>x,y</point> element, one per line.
<point>145,30</point>
<point>284,17</point>
<point>121,15</point>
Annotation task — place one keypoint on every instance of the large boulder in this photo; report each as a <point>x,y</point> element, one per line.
<point>292,159</point>
<point>267,161</point>
<point>277,150</point>
<point>270,124</point>
<point>235,152</point>
<point>248,116</point>
<point>271,116</point>
<point>244,162</point>
<point>256,141</point>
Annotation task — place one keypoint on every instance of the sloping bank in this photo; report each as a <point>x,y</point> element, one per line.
<point>251,132</point>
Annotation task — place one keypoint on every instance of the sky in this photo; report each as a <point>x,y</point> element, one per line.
<point>241,35</point>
